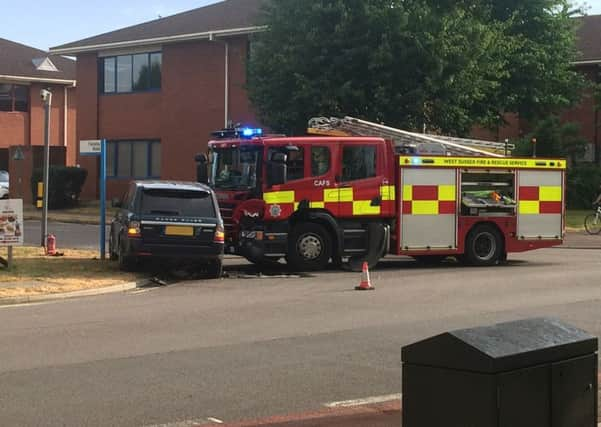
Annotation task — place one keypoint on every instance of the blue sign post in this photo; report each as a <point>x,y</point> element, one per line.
<point>97,147</point>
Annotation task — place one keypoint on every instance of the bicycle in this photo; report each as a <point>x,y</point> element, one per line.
<point>592,222</point>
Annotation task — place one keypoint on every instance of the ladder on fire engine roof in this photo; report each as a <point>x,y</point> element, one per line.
<point>349,126</point>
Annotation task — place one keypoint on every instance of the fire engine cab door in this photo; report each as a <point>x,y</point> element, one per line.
<point>360,180</point>
<point>428,209</point>
<point>540,204</point>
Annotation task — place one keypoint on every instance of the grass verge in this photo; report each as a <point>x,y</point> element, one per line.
<point>33,273</point>
<point>575,219</point>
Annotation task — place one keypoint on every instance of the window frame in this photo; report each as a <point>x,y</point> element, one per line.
<point>113,145</point>
<point>101,74</point>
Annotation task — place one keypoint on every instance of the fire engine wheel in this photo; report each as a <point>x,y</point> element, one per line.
<point>310,247</point>
<point>484,246</point>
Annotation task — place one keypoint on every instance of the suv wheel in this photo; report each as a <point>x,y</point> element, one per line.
<point>310,247</point>
<point>126,262</point>
<point>215,269</point>
<point>113,256</point>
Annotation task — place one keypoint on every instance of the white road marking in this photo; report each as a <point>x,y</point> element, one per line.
<point>363,401</point>
<point>215,420</point>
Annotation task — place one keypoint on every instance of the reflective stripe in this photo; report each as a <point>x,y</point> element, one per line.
<point>550,194</point>
<point>279,197</point>
<point>528,207</point>
<point>345,195</point>
<point>317,205</point>
<point>481,162</point>
<point>446,193</point>
<point>330,195</point>
<point>387,192</point>
<point>407,192</point>
<point>424,207</point>
<point>363,207</point>
<point>295,206</point>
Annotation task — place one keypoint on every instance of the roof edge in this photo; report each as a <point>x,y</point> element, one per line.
<point>38,80</point>
<point>158,40</point>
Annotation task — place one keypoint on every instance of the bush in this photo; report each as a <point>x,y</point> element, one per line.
<point>64,188</point>
<point>583,186</point>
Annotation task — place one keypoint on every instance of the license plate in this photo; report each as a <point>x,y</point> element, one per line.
<point>176,230</point>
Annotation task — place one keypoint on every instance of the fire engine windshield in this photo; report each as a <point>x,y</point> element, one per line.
<point>233,168</point>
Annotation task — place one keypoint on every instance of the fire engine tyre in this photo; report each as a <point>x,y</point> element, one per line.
<point>484,246</point>
<point>310,247</point>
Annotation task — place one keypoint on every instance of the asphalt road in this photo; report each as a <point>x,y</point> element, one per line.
<point>248,347</point>
<point>75,236</point>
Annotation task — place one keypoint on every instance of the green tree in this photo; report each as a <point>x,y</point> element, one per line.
<point>553,139</point>
<point>408,63</point>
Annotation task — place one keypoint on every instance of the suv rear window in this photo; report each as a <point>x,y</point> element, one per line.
<point>177,203</point>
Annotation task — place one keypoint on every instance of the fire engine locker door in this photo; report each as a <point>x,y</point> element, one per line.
<point>540,204</point>
<point>428,209</point>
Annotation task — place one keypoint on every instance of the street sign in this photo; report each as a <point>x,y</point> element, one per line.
<point>90,147</point>
<point>11,222</point>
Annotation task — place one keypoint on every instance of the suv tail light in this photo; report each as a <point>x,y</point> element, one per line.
<point>133,229</point>
<point>219,235</point>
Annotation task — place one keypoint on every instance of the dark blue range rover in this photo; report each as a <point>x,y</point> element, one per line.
<point>172,220</point>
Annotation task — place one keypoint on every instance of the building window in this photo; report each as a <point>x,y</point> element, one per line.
<point>14,97</point>
<point>130,73</point>
<point>133,159</point>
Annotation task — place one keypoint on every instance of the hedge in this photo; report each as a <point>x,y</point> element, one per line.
<point>583,186</point>
<point>64,188</point>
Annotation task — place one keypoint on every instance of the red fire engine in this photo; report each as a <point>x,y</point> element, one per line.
<point>312,200</point>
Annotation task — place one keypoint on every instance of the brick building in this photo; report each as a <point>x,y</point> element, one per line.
<point>24,72</point>
<point>156,90</point>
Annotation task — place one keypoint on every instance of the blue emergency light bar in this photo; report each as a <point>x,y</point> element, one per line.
<point>250,132</point>
<point>246,133</point>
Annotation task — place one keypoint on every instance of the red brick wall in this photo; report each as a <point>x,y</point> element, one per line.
<point>189,106</point>
<point>14,128</point>
<point>17,128</point>
<point>86,99</point>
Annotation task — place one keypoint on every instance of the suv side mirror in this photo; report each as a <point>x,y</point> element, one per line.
<point>277,170</point>
<point>116,203</point>
<point>202,174</point>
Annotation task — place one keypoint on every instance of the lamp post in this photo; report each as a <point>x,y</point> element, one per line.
<point>47,100</point>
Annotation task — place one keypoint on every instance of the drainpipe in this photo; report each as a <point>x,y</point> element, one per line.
<point>226,78</point>
<point>65,117</point>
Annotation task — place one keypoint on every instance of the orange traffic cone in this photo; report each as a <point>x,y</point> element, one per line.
<point>365,284</point>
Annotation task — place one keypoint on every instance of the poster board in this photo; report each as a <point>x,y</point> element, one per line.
<point>11,222</point>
